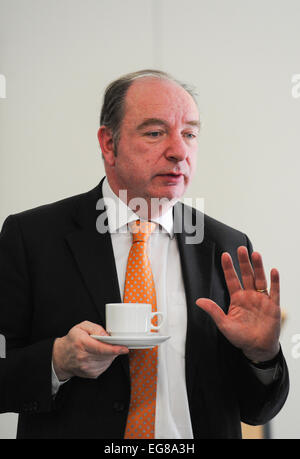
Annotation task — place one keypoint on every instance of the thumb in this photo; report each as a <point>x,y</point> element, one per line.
<point>91,328</point>
<point>215,312</point>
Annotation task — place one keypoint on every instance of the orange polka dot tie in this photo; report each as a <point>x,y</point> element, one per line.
<point>139,288</point>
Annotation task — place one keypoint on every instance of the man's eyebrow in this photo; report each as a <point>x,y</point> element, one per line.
<point>194,123</point>
<point>150,121</point>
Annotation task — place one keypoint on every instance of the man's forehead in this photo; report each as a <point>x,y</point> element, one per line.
<point>153,94</point>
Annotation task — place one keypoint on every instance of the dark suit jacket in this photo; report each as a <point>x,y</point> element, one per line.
<point>56,271</point>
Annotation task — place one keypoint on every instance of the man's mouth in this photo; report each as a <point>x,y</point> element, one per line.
<point>172,173</point>
<point>172,177</point>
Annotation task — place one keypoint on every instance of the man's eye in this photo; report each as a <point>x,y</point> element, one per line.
<point>190,135</point>
<point>154,134</point>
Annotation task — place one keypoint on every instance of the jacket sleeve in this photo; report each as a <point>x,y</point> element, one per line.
<point>25,372</point>
<point>259,403</point>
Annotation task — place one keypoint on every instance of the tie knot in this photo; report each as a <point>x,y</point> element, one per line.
<point>142,230</point>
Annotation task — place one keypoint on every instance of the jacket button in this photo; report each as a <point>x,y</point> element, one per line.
<point>119,406</point>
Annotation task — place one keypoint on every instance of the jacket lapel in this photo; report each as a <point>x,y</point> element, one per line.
<point>197,264</point>
<point>93,253</point>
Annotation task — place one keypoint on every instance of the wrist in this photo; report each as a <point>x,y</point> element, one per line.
<point>264,363</point>
<point>262,357</point>
<point>59,367</point>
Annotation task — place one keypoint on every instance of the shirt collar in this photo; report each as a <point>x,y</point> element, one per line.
<point>120,215</point>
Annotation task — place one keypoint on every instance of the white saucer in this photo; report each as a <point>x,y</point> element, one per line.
<point>133,342</point>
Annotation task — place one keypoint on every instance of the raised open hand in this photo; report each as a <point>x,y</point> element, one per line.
<point>253,320</point>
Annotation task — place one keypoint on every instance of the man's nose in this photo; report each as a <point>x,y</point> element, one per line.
<point>176,149</point>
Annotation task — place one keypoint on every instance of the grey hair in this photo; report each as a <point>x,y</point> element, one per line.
<point>113,107</point>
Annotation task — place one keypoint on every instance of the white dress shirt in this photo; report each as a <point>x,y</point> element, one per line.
<point>172,419</point>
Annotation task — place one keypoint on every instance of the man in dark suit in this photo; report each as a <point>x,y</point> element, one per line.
<point>58,270</point>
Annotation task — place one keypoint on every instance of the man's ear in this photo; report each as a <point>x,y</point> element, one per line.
<point>107,145</point>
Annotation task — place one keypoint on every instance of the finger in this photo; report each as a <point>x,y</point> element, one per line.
<point>231,278</point>
<point>215,312</point>
<point>246,268</point>
<point>91,328</point>
<point>94,346</point>
<point>275,286</point>
<point>103,349</point>
<point>259,272</point>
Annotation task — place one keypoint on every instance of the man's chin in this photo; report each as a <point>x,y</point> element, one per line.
<point>166,193</point>
<point>172,191</point>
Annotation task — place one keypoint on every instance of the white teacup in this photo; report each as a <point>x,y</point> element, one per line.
<point>130,319</point>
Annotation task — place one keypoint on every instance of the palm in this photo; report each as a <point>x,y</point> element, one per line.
<point>253,319</point>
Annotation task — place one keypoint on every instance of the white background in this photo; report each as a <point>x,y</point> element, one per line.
<point>57,57</point>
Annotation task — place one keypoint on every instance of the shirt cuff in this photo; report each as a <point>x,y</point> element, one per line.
<point>269,371</point>
<point>56,383</point>
<point>267,375</point>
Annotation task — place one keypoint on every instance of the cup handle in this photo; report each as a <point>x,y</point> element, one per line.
<point>157,327</point>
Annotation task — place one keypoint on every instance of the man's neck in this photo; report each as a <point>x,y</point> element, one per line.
<point>145,207</point>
